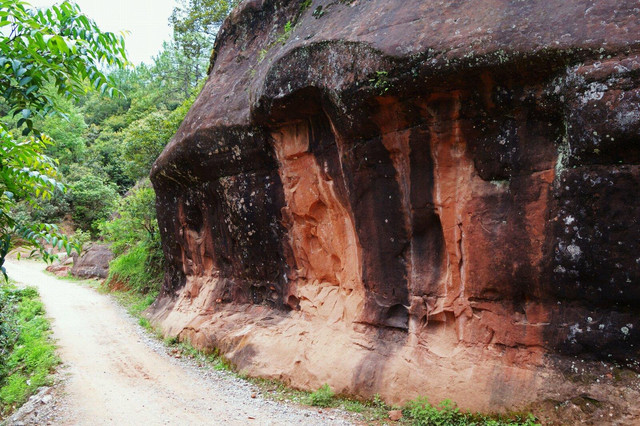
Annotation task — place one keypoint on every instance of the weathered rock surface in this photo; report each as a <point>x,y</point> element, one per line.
<point>93,262</point>
<point>411,197</point>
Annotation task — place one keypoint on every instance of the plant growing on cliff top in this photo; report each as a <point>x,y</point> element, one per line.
<point>304,5</point>
<point>284,36</point>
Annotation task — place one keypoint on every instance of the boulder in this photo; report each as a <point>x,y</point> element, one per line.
<point>411,197</point>
<point>62,266</point>
<point>93,262</point>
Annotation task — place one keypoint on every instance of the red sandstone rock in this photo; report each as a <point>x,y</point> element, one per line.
<point>59,269</point>
<point>410,197</point>
<point>62,266</point>
<point>93,262</point>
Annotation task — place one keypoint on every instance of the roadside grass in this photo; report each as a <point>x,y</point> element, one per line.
<point>26,348</point>
<point>375,411</point>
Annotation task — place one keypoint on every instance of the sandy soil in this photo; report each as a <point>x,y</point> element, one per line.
<point>116,374</point>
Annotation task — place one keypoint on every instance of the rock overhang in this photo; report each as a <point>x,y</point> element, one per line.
<point>460,173</point>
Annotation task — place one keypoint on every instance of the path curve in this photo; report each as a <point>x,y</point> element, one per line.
<point>115,377</point>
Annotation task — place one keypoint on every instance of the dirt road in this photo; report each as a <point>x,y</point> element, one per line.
<point>118,375</point>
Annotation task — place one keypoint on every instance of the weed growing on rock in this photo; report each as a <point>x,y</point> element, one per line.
<point>423,413</point>
<point>170,340</point>
<point>282,39</point>
<point>145,323</point>
<point>319,12</point>
<point>372,410</point>
<point>381,82</point>
<point>305,5</point>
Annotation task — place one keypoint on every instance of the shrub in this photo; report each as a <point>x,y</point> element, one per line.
<point>92,201</point>
<point>323,397</point>
<point>134,221</point>
<point>135,240</point>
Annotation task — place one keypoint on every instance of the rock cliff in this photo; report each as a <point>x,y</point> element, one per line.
<point>411,197</point>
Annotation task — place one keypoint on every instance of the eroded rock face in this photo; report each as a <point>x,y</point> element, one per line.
<point>410,197</point>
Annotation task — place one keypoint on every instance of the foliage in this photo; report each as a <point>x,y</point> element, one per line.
<point>135,240</point>
<point>281,39</point>
<point>195,25</point>
<point>422,413</point>
<point>67,133</point>
<point>92,201</point>
<point>305,5</point>
<point>135,220</point>
<point>8,325</point>
<point>25,346</point>
<point>42,50</point>
<point>81,237</point>
<point>381,82</point>
<point>58,45</point>
<point>145,138</point>
<point>26,174</point>
<point>323,397</point>
<point>138,269</point>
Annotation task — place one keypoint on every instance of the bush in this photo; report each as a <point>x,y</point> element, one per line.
<point>92,201</point>
<point>134,221</point>
<point>135,240</point>
<point>323,397</point>
<point>8,325</point>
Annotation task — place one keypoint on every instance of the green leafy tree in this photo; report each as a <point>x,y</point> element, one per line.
<point>57,47</point>
<point>68,135</point>
<point>93,200</point>
<point>195,26</point>
<point>145,138</point>
<point>135,220</point>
